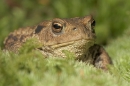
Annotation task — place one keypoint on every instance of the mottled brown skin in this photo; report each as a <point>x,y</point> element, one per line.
<point>75,34</point>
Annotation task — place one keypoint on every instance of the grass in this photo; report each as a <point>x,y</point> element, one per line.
<point>30,68</point>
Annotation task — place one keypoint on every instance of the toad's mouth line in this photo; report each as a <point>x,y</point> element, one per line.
<point>69,43</point>
<point>61,44</point>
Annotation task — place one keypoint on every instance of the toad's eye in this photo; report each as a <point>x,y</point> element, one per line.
<point>57,27</point>
<point>93,23</point>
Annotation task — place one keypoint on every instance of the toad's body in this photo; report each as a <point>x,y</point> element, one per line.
<point>75,34</point>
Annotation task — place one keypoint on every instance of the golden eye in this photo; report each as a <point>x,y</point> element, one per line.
<point>57,27</point>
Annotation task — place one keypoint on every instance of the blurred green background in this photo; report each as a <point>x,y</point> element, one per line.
<point>112,16</point>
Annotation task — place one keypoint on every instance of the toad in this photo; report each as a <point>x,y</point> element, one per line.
<point>76,35</point>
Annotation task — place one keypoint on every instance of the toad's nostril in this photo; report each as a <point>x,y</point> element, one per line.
<point>74,28</point>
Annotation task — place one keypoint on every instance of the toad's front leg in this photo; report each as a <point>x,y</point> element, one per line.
<point>100,57</point>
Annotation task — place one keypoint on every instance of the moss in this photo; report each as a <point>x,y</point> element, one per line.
<point>32,69</point>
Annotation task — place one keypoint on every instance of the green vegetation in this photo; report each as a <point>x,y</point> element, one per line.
<point>30,68</point>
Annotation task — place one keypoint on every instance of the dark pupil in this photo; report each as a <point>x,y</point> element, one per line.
<point>56,26</point>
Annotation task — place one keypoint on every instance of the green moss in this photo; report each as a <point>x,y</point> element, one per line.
<point>32,69</point>
<point>119,51</point>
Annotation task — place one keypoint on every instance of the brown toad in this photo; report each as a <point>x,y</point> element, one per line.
<point>75,34</point>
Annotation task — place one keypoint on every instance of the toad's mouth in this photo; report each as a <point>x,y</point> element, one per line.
<point>71,43</point>
<point>62,44</point>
